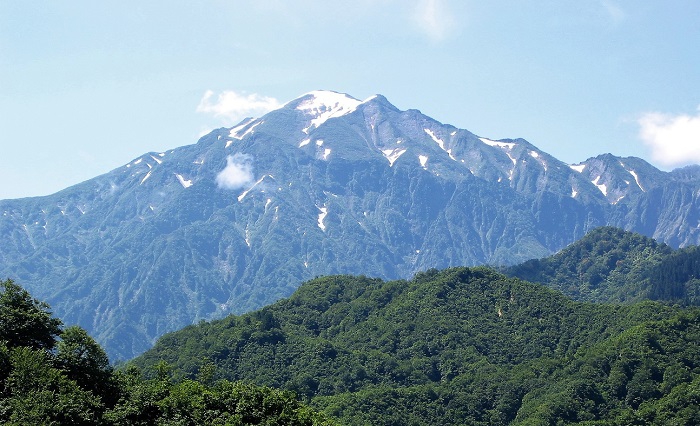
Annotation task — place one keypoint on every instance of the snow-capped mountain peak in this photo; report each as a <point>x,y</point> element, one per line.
<point>321,105</point>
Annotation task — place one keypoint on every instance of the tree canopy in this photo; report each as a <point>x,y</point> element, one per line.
<point>50,375</point>
<point>459,346</point>
<point>25,321</point>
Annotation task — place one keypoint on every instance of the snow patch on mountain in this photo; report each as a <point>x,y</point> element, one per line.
<point>537,157</point>
<point>145,177</point>
<point>393,154</point>
<point>577,167</point>
<point>634,175</point>
<point>370,98</point>
<point>184,182</point>
<point>506,145</point>
<point>423,161</point>
<point>602,187</point>
<point>260,181</point>
<point>235,132</point>
<point>440,143</point>
<point>323,105</point>
<point>321,216</point>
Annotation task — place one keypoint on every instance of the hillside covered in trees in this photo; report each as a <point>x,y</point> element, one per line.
<point>459,346</point>
<point>610,265</point>
<point>51,375</point>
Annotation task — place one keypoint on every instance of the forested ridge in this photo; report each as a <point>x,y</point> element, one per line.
<point>459,346</point>
<point>611,265</point>
<point>50,375</point>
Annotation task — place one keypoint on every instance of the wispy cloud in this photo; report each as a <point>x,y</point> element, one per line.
<point>613,11</point>
<point>232,107</point>
<point>237,173</point>
<point>434,18</point>
<point>674,140</point>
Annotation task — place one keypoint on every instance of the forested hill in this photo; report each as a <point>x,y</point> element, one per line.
<point>612,265</point>
<point>460,346</point>
<point>50,375</point>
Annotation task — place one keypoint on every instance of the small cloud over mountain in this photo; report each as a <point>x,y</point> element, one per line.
<point>674,140</point>
<point>232,107</point>
<point>434,18</point>
<point>237,173</point>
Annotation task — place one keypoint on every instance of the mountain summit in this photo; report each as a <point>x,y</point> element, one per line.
<point>326,184</point>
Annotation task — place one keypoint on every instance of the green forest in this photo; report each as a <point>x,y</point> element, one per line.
<point>461,346</point>
<point>50,375</point>
<point>610,265</point>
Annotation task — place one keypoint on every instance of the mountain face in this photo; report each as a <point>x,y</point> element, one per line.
<point>326,184</point>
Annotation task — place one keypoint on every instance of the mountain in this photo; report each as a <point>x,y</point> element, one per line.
<point>326,184</point>
<point>459,346</point>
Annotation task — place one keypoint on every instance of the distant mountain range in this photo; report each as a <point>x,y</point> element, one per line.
<point>326,184</point>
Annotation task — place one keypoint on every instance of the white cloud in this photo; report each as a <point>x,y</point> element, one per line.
<point>237,173</point>
<point>232,107</point>
<point>614,12</point>
<point>434,18</point>
<point>674,139</point>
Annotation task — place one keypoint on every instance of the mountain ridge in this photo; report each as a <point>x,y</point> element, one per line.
<point>238,219</point>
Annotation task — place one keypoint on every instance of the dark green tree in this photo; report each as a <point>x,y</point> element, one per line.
<point>24,320</point>
<point>36,393</point>
<point>84,361</point>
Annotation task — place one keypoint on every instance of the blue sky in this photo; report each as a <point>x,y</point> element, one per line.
<point>87,86</point>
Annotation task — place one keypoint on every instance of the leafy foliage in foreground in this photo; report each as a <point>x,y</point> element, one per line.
<point>461,346</point>
<point>74,384</point>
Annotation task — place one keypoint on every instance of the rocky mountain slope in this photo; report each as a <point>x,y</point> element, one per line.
<point>326,184</point>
